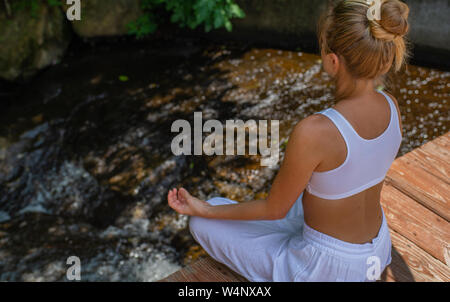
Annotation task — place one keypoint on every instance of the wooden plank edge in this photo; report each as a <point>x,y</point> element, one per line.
<point>411,263</point>
<point>205,270</point>
<point>415,222</point>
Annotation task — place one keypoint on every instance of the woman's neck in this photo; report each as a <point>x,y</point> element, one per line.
<point>350,88</point>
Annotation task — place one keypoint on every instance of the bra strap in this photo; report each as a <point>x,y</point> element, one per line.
<point>339,121</point>
<point>391,104</point>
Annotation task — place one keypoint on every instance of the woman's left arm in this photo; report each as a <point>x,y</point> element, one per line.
<point>303,154</point>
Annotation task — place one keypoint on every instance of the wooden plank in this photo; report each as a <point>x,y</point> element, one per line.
<point>205,270</point>
<point>411,263</point>
<point>439,145</point>
<point>431,163</point>
<point>415,222</point>
<point>434,156</point>
<point>429,190</point>
<point>424,175</point>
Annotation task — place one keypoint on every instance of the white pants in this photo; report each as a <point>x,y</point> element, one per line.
<point>288,249</point>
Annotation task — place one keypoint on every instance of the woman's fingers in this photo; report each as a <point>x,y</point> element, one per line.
<point>170,195</point>
<point>180,195</point>
<point>184,195</point>
<point>174,200</point>
<point>173,192</point>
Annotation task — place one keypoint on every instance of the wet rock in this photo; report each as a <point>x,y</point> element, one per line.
<point>30,43</point>
<point>234,191</point>
<point>4,217</point>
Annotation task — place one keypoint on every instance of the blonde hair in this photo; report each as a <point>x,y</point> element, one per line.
<point>370,48</point>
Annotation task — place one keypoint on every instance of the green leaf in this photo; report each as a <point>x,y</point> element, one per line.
<point>202,13</point>
<point>236,11</point>
<point>228,25</point>
<point>123,78</point>
<point>143,26</point>
<point>219,18</point>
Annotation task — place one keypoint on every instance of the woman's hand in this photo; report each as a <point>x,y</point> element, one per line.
<point>186,204</point>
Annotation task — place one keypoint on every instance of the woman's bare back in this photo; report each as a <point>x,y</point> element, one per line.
<point>356,218</point>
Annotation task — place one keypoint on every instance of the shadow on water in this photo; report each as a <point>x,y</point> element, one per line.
<point>85,149</point>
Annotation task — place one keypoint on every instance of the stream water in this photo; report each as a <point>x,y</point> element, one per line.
<point>85,158</point>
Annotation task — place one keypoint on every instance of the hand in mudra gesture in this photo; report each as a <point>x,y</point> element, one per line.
<point>184,203</point>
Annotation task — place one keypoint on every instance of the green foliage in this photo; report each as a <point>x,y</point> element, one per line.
<point>30,5</point>
<point>54,2</point>
<point>143,26</point>
<point>212,14</point>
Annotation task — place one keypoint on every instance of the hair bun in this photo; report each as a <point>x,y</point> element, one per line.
<point>394,17</point>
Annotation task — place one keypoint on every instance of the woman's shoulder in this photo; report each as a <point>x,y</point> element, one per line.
<point>316,129</point>
<point>315,124</point>
<point>309,140</point>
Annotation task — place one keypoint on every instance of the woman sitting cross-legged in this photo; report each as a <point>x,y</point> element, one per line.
<point>322,219</point>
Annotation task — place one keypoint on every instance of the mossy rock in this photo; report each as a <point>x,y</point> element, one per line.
<point>100,18</point>
<point>30,43</point>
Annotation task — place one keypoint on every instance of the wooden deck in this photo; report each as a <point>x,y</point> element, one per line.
<point>415,199</point>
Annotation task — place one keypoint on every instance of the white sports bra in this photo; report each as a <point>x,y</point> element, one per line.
<point>367,161</point>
